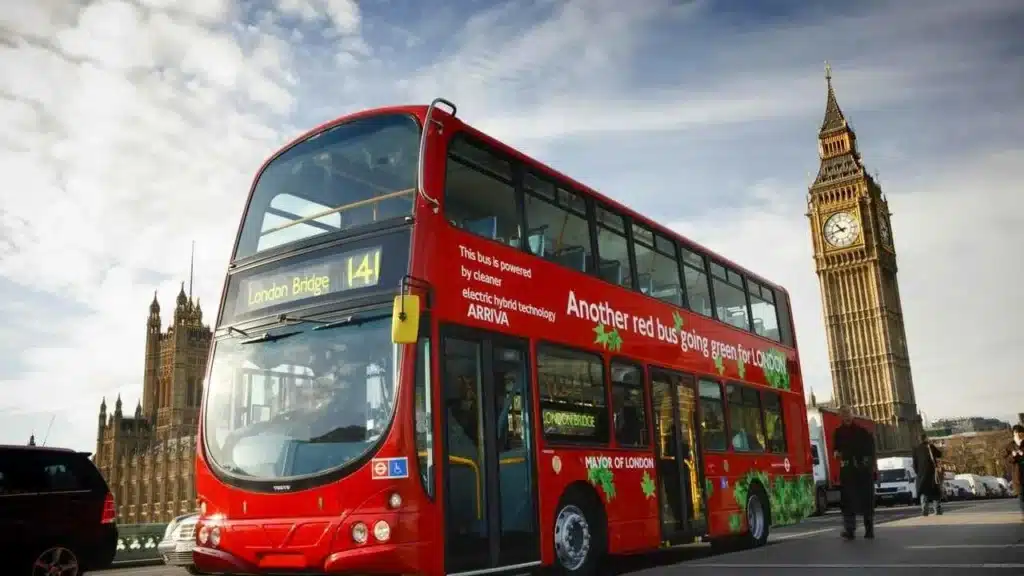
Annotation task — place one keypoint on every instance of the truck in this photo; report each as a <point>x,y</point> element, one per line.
<point>822,423</point>
<point>897,482</point>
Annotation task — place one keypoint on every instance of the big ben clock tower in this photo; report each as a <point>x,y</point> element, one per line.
<point>855,259</point>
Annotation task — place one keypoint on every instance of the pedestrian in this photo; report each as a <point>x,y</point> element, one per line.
<point>1015,462</point>
<point>855,452</point>
<point>929,476</point>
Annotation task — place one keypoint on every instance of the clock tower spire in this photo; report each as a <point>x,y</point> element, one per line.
<point>855,260</point>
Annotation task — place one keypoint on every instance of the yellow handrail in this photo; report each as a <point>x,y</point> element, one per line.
<point>476,472</point>
<point>330,211</point>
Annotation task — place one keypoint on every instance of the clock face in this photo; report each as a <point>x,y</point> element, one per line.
<point>841,229</point>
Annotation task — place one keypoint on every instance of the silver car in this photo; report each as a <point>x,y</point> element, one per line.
<point>179,539</point>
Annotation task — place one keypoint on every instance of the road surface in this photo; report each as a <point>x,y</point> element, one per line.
<point>970,538</point>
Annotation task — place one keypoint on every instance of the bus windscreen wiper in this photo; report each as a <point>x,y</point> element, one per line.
<point>268,337</point>
<point>351,321</point>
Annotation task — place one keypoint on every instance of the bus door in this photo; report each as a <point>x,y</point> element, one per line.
<point>681,499</point>
<point>489,473</point>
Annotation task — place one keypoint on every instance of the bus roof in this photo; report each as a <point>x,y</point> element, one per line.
<point>420,110</point>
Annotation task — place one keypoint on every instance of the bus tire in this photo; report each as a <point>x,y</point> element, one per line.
<point>579,539</point>
<point>759,517</point>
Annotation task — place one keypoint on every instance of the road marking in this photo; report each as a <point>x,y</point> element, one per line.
<point>855,566</point>
<point>941,546</point>
<point>804,534</point>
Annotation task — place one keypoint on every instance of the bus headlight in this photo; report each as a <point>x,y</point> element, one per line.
<point>381,531</point>
<point>215,536</point>
<point>394,501</point>
<point>204,534</point>
<point>359,533</point>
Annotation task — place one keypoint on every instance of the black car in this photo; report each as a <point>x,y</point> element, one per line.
<point>57,515</point>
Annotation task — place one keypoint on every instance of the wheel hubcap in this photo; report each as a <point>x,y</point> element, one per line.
<point>56,561</point>
<point>755,517</point>
<point>572,538</point>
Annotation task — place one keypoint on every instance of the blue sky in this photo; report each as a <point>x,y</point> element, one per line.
<point>135,126</point>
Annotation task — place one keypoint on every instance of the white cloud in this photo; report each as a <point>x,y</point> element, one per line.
<point>135,126</point>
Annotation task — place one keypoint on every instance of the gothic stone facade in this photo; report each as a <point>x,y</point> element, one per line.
<point>149,458</point>
<point>855,259</point>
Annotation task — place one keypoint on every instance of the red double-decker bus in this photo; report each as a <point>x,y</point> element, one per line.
<point>437,355</point>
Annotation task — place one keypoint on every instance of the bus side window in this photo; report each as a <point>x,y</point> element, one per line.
<point>730,297</point>
<point>745,419</point>
<point>479,196</point>
<point>612,248</point>
<point>656,268</point>
<point>775,431</point>
<point>712,416</point>
<point>628,406</point>
<point>573,405</point>
<point>556,224</point>
<point>762,309</point>
<point>698,293</point>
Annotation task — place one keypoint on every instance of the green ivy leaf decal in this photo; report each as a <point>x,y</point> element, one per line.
<point>709,487</point>
<point>776,378</point>
<point>735,522</point>
<point>791,498</point>
<point>614,341</point>
<point>600,336</point>
<point>605,479</point>
<point>647,485</point>
<point>677,321</point>
<point>719,365</point>
<point>741,367</point>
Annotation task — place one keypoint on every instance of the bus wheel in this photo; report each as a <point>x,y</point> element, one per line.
<point>757,518</point>
<point>579,538</point>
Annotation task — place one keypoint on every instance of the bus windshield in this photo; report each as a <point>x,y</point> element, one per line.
<point>895,475</point>
<point>348,176</point>
<point>300,400</point>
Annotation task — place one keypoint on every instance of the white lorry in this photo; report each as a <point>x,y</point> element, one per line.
<point>897,482</point>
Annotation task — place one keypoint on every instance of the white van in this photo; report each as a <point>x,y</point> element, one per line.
<point>897,483</point>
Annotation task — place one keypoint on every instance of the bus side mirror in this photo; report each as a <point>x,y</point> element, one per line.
<point>405,319</point>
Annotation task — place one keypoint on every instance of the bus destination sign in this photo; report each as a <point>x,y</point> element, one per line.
<point>337,273</point>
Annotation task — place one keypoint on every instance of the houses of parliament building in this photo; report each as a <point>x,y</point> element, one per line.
<point>148,457</point>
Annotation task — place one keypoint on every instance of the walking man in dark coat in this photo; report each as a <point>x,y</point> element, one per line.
<point>855,451</point>
<point>1014,455</point>
<point>929,481</point>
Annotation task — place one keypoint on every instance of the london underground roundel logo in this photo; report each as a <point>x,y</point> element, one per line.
<point>381,469</point>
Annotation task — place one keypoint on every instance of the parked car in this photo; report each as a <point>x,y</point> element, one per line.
<point>57,515</point>
<point>178,542</point>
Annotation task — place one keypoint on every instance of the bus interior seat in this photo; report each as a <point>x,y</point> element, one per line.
<point>538,242</point>
<point>572,257</point>
<point>486,226</point>
<point>611,271</point>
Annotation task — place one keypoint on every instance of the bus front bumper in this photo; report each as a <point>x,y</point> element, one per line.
<point>402,558</point>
